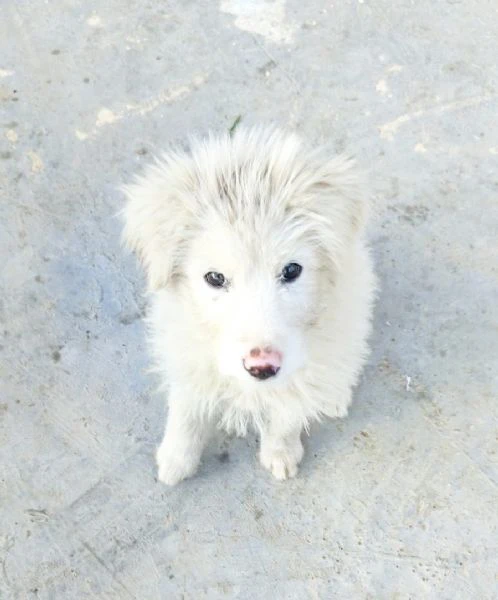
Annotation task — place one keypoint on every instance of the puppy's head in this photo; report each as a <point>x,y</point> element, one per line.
<point>248,231</point>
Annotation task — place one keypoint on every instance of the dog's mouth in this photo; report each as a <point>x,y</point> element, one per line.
<point>263,372</point>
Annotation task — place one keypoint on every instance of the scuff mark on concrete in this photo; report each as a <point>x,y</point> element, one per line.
<point>81,135</point>
<point>36,162</point>
<point>389,130</point>
<point>420,148</point>
<point>263,18</point>
<point>382,88</point>
<point>11,135</point>
<point>94,21</point>
<point>395,69</point>
<point>106,116</point>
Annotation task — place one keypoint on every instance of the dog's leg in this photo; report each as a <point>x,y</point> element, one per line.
<point>281,449</point>
<point>185,436</point>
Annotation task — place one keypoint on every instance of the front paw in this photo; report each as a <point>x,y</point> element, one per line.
<point>173,468</point>
<point>282,462</point>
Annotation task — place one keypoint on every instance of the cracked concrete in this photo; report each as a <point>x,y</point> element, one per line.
<point>400,499</point>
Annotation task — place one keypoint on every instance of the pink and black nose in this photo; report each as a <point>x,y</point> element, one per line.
<point>263,363</point>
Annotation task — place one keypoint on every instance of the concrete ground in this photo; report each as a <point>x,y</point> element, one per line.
<point>400,500</point>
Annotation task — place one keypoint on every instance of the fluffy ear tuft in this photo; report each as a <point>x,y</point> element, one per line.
<point>156,224</point>
<point>339,205</point>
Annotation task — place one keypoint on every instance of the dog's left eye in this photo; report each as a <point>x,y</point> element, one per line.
<point>216,280</point>
<point>291,272</point>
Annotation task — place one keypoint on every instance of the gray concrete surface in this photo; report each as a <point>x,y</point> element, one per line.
<point>398,501</point>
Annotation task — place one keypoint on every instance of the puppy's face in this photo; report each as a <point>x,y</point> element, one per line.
<point>248,227</point>
<point>254,288</point>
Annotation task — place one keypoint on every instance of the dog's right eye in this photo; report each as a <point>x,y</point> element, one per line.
<point>291,272</point>
<point>216,280</point>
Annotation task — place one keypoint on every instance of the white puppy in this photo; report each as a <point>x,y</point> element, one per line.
<point>261,288</point>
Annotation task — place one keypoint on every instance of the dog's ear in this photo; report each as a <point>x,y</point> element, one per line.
<point>156,223</point>
<point>338,203</point>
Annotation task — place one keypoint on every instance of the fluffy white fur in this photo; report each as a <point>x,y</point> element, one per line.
<point>246,206</point>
